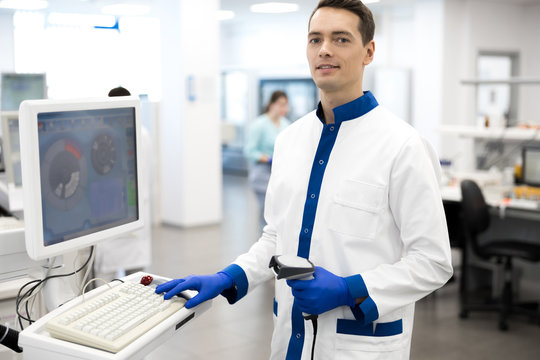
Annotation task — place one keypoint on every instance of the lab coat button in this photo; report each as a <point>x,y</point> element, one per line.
<point>313,196</point>
<point>331,128</point>
<point>321,162</point>
<point>306,230</point>
<point>298,336</point>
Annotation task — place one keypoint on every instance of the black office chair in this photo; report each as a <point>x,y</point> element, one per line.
<point>476,220</point>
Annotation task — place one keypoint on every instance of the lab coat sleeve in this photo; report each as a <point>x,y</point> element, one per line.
<point>416,206</point>
<point>251,148</point>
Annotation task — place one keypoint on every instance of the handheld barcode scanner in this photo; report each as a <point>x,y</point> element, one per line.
<point>291,267</point>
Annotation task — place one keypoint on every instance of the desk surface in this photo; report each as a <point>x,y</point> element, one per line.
<point>496,198</point>
<point>496,195</point>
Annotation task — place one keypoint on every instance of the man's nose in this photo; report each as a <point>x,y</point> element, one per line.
<point>324,50</point>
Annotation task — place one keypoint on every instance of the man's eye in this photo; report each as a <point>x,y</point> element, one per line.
<point>314,41</point>
<point>342,40</point>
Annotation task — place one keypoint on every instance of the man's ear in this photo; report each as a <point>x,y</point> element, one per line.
<point>370,51</point>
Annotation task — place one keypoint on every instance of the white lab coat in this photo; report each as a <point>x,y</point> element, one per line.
<point>379,214</point>
<point>133,250</point>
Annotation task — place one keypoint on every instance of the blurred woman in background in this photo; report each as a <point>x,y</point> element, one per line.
<point>259,146</point>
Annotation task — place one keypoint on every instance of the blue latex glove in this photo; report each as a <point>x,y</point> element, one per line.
<point>325,292</point>
<point>208,286</point>
<point>270,161</point>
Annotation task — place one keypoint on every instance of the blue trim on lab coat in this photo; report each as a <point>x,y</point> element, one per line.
<point>368,308</point>
<point>348,111</point>
<point>354,327</point>
<point>240,288</point>
<point>366,312</point>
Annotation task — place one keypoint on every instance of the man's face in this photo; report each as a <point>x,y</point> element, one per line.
<point>335,50</point>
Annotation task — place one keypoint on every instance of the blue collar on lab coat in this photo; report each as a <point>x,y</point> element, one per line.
<point>351,110</point>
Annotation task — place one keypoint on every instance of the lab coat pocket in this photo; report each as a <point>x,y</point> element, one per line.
<point>356,207</point>
<point>357,341</point>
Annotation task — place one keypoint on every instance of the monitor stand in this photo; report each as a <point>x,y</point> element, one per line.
<point>60,290</point>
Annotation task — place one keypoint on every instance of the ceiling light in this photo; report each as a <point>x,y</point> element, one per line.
<point>125,9</point>
<point>274,7</point>
<point>225,14</point>
<point>24,4</point>
<point>370,1</point>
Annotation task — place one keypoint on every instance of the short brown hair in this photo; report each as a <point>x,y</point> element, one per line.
<point>366,25</point>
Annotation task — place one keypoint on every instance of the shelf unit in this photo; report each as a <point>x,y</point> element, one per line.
<point>509,134</point>
<point>512,81</point>
<point>501,134</point>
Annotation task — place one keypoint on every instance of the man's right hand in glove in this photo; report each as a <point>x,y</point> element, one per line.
<point>208,286</point>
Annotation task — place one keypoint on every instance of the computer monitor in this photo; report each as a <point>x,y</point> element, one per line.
<point>80,172</point>
<point>531,165</point>
<point>15,88</point>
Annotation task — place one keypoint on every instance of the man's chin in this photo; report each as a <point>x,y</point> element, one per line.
<point>327,85</point>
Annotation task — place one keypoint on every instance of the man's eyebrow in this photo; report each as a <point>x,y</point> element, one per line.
<point>339,32</point>
<point>342,32</point>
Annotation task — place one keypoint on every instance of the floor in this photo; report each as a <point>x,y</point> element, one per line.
<point>243,331</point>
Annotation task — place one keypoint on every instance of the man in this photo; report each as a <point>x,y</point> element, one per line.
<point>355,190</point>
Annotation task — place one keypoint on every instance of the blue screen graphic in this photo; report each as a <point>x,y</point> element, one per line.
<point>88,171</point>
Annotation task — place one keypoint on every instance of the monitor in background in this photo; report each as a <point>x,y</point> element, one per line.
<point>531,165</point>
<point>15,88</point>
<point>80,172</point>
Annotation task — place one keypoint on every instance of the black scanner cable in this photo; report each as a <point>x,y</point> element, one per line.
<point>313,319</point>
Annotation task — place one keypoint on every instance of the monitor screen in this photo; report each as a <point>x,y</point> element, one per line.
<point>531,165</point>
<point>88,179</point>
<point>19,87</point>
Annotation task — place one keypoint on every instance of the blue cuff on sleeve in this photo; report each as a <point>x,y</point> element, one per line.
<point>240,288</point>
<point>367,310</point>
<point>357,287</point>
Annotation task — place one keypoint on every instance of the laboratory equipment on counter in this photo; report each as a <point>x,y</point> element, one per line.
<point>82,185</point>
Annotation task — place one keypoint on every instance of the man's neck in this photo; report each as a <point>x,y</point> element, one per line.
<point>331,100</point>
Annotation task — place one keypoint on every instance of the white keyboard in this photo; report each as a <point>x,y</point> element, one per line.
<point>115,318</point>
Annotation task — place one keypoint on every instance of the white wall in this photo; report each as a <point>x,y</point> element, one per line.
<point>189,127</point>
<point>529,97</point>
<point>7,62</point>
<point>270,43</point>
<point>428,68</point>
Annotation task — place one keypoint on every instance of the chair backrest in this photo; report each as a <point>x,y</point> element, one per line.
<point>475,209</point>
